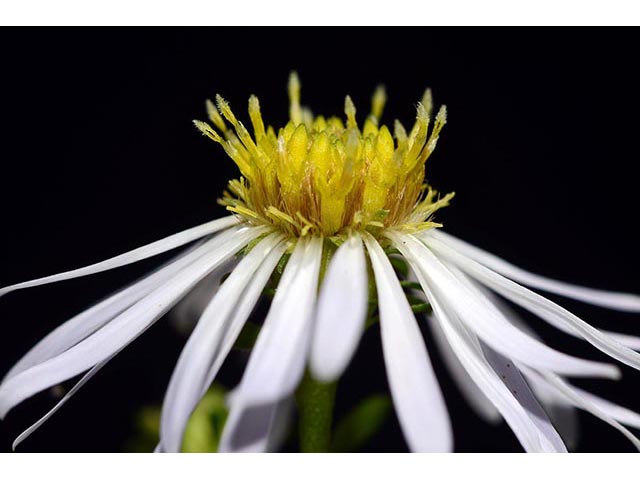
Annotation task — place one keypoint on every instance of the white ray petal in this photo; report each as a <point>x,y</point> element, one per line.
<point>512,378</point>
<point>341,312</point>
<point>482,374</point>
<point>86,377</point>
<point>576,397</point>
<point>140,253</point>
<point>489,324</point>
<point>563,415</point>
<point>256,429</point>
<point>542,307</point>
<point>188,381</point>
<point>414,388</point>
<point>630,341</point>
<point>186,313</point>
<point>279,355</point>
<point>120,331</point>
<point>615,300</point>
<point>243,309</point>
<point>475,397</point>
<point>87,322</point>
<point>622,414</point>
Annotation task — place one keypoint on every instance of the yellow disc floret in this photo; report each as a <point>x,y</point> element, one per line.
<point>325,176</point>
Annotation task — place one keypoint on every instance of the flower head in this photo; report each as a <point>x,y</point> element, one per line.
<point>326,176</point>
<point>323,211</point>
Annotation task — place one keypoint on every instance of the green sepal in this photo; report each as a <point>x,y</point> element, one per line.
<point>400,265</point>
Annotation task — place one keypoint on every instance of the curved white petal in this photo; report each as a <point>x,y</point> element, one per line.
<point>563,415</point>
<point>578,399</point>
<point>86,377</point>
<point>243,309</point>
<point>486,321</point>
<point>119,332</point>
<point>542,307</point>
<point>618,301</point>
<point>474,396</point>
<point>341,311</point>
<point>140,253</point>
<point>189,379</point>
<point>629,341</point>
<point>87,322</point>
<point>505,368</point>
<point>187,311</point>
<point>512,378</point>
<point>622,414</point>
<point>414,388</point>
<point>469,352</point>
<point>279,355</point>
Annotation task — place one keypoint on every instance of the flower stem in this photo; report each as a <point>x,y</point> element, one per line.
<point>315,407</point>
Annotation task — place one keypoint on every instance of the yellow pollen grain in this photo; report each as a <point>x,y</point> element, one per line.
<point>327,176</point>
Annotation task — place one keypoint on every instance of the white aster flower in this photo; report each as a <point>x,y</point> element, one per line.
<point>321,207</point>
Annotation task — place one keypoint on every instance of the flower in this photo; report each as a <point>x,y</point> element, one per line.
<point>323,207</point>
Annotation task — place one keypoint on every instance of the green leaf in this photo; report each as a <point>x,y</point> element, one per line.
<point>205,425</point>
<point>361,424</point>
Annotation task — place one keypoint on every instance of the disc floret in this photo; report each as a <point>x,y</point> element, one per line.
<point>327,176</point>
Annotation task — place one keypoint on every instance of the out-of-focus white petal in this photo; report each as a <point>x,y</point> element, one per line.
<point>120,331</point>
<point>542,307</point>
<point>489,324</point>
<point>414,388</point>
<point>257,429</point>
<point>470,355</point>
<point>341,311</point>
<point>87,322</point>
<point>615,300</point>
<point>475,397</point>
<point>279,355</point>
<point>578,399</point>
<point>187,384</point>
<point>140,253</point>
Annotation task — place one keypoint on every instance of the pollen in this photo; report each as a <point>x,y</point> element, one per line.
<point>329,176</point>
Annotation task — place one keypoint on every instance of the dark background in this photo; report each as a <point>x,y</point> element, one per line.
<point>99,156</point>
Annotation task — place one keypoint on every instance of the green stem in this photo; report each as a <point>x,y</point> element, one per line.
<point>315,408</point>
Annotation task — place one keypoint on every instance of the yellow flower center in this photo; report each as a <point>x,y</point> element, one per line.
<point>324,176</point>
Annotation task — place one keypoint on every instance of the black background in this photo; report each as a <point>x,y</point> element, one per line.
<point>99,156</point>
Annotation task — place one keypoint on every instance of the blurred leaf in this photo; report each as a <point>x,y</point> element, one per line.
<point>203,430</point>
<point>361,424</point>
<point>205,426</point>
